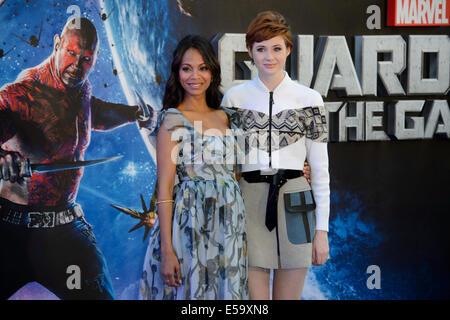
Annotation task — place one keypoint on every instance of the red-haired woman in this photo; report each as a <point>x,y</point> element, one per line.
<point>285,124</point>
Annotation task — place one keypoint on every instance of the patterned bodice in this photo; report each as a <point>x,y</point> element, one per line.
<point>200,156</point>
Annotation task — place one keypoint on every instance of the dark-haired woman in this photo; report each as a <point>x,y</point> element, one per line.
<point>197,249</point>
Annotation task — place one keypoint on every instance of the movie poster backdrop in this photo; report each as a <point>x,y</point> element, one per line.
<point>382,68</point>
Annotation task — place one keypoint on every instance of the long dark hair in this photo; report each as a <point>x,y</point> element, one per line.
<point>174,92</point>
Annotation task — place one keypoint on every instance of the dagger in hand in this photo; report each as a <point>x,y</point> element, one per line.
<point>30,168</point>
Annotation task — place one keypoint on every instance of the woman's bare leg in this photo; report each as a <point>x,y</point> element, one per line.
<point>288,283</point>
<point>259,283</point>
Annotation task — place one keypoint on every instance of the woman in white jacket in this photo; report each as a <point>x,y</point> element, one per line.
<point>285,124</point>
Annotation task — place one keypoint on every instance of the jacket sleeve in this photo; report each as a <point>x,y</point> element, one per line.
<point>317,157</point>
<point>227,100</point>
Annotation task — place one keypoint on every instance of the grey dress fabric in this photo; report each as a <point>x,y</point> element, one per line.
<point>208,223</point>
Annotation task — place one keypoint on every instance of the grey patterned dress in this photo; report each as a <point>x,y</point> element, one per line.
<point>208,223</point>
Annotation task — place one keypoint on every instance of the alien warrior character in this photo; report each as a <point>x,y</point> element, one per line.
<point>46,116</point>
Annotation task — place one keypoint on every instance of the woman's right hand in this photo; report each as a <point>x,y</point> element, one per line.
<point>170,269</point>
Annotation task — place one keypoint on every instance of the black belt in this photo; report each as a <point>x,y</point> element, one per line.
<point>38,218</point>
<point>276,181</point>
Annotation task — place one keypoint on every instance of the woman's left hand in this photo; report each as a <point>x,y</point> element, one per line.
<point>320,249</point>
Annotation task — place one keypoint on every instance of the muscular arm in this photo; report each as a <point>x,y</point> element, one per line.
<point>12,164</point>
<point>107,116</point>
<point>7,130</point>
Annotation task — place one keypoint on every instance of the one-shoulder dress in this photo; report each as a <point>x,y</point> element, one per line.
<point>208,221</point>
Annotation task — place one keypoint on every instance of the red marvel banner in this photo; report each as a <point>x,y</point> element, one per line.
<point>420,13</point>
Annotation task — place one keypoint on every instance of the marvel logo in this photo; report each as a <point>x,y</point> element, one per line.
<point>411,13</point>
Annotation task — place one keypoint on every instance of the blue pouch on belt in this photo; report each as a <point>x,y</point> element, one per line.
<point>299,210</point>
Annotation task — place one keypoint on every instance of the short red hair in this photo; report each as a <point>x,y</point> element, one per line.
<point>267,25</point>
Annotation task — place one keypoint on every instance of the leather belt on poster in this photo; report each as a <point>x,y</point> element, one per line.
<point>30,218</point>
<point>276,181</point>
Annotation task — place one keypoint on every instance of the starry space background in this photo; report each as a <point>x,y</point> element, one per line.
<point>118,182</point>
<point>378,194</point>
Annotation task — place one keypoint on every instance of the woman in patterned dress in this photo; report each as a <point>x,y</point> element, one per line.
<point>197,248</point>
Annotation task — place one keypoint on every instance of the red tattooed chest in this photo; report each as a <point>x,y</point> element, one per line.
<point>61,132</point>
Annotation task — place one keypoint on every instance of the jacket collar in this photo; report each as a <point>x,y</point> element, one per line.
<point>260,85</point>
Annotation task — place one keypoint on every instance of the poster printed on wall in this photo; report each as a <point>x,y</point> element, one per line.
<point>385,90</point>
